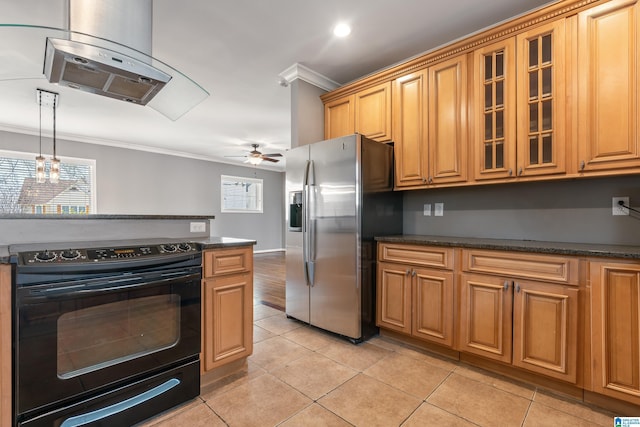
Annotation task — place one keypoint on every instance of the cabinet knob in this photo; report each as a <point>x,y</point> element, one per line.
<point>517,287</point>
<point>506,285</point>
<point>520,170</point>
<point>582,165</point>
<point>430,180</point>
<point>510,171</point>
<point>408,272</point>
<point>413,273</point>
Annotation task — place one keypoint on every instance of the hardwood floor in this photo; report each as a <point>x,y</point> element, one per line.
<point>269,275</point>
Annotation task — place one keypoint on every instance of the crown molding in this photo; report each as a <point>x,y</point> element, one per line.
<point>299,71</point>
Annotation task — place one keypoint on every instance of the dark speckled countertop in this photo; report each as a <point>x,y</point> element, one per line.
<point>556,248</point>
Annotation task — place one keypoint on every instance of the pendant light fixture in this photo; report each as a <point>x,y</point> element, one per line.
<point>40,178</point>
<point>54,173</point>
<point>47,98</point>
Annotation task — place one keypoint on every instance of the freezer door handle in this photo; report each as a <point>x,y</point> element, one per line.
<point>309,235</point>
<point>305,224</point>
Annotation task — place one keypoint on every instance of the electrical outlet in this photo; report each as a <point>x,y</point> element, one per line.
<point>616,208</point>
<point>427,209</point>
<point>198,227</point>
<point>438,209</point>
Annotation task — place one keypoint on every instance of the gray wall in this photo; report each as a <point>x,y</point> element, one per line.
<point>138,182</point>
<point>568,211</point>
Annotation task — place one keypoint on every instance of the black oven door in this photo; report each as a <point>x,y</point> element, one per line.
<point>81,338</point>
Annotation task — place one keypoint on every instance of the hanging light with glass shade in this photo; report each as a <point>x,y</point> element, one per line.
<point>54,172</point>
<point>40,176</point>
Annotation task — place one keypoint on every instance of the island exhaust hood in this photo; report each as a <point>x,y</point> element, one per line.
<point>107,51</point>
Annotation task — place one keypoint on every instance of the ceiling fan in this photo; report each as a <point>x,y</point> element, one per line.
<point>255,157</point>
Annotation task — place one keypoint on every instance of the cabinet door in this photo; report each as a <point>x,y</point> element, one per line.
<point>541,100</point>
<point>228,319</point>
<point>433,305</point>
<point>615,312</point>
<point>494,143</point>
<point>373,112</point>
<point>545,329</point>
<point>485,316</point>
<point>410,129</point>
<point>394,297</point>
<point>608,61</point>
<point>5,345</point>
<point>448,121</point>
<point>339,117</point>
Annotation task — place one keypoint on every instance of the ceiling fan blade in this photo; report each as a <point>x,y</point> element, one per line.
<point>273,155</point>
<point>270,159</point>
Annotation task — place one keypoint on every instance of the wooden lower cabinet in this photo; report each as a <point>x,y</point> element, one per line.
<point>227,306</point>
<point>412,298</point>
<point>5,345</point>
<point>528,324</point>
<point>615,316</point>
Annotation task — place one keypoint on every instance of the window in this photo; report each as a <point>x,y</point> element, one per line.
<point>21,194</point>
<point>241,194</point>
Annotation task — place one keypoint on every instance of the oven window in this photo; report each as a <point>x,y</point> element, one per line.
<point>93,338</point>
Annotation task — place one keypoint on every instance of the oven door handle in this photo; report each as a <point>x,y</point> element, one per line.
<point>30,295</point>
<point>91,417</point>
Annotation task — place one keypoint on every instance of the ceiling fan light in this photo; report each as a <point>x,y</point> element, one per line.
<point>255,160</point>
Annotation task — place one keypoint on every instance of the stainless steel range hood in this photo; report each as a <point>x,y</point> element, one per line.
<point>107,51</point>
<point>102,71</point>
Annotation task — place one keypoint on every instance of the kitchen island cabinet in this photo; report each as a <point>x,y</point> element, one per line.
<point>5,345</point>
<point>227,306</point>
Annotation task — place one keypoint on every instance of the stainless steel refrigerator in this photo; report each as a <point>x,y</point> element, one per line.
<point>340,196</point>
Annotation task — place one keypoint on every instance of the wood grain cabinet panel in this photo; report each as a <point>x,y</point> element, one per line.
<point>227,306</point>
<point>339,117</point>
<point>485,316</point>
<point>373,112</point>
<point>608,60</point>
<point>615,310</point>
<point>412,299</point>
<point>5,345</point>
<point>545,329</point>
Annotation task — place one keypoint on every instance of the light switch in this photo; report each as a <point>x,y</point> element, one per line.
<point>427,209</point>
<point>438,209</point>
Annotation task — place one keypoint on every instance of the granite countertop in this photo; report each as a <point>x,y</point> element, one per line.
<point>556,248</point>
<point>223,242</point>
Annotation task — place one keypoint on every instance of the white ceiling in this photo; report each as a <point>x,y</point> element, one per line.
<point>235,49</point>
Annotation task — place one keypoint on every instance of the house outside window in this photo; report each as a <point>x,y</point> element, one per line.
<point>21,194</point>
<point>241,194</point>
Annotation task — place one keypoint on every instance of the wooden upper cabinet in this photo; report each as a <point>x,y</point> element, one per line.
<point>409,96</point>
<point>373,112</point>
<point>541,109</point>
<point>339,117</point>
<point>367,112</point>
<point>615,320</point>
<point>494,99</point>
<point>608,61</point>
<point>447,115</point>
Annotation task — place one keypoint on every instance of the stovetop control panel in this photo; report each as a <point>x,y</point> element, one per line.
<point>93,255</point>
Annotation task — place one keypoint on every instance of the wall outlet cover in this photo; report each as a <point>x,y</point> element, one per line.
<point>427,209</point>
<point>616,208</point>
<point>198,227</point>
<point>438,209</point>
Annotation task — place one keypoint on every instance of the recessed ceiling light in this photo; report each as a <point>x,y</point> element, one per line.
<point>342,30</point>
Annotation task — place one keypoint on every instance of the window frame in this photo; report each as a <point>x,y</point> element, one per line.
<point>91,163</point>
<point>244,180</point>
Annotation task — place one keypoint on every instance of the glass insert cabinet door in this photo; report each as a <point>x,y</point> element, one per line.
<point>519,92</point>
<point>541,106</point>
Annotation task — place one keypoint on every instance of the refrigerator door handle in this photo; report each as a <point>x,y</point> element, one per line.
<point>310,234</point>
<point>305,221</point>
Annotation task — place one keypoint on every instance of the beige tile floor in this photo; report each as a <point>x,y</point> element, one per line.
<point>300,376</point>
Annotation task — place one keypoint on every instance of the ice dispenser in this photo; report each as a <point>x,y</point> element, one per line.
<point>295,211</point>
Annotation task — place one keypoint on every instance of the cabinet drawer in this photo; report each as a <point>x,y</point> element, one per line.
<point>227,261</point>
<point>427,256</point>
<point>529,266</point>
